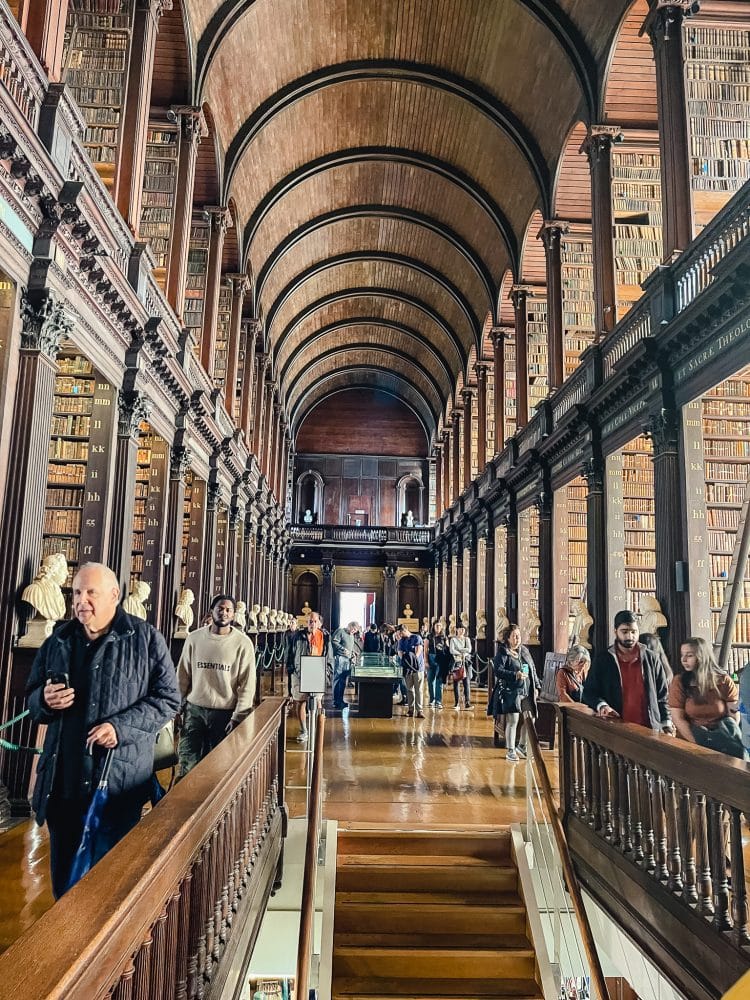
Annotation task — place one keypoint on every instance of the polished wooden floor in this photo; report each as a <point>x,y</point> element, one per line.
<point>437,771</point>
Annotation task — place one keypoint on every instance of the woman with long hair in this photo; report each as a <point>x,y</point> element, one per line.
<point>652,641</point>
<point>514,674</point>
<point>704,700</point>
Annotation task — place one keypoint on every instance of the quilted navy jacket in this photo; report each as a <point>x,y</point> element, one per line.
<point>133,686</point>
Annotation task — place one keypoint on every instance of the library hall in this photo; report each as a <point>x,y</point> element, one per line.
<point>374,499</point>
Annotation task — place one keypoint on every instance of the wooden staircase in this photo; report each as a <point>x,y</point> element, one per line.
<point>428,915</point>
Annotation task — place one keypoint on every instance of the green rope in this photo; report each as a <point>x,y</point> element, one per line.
<point>16,746</point>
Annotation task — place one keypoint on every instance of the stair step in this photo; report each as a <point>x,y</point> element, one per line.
<point>416,878</point>
<point>462,938</point>
<point>430,964</point>
<point>362,988</point>
<point>454,898</point>
<point>417,861</point>
<point>494,846</point>
<point>428,916</point>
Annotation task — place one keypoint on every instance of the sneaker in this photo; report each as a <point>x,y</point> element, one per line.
<point>521,751</point>
<point>510,755</point>
<point>410,713</point>
<point>456,708</point>
<point>432,704</point>
<point>467,707</point>
<point>420,715</point>
<point>302,736</point>
<point>439,706</point>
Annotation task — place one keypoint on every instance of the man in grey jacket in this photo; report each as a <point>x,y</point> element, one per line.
<point>104,681</point>
<point>345,653</point>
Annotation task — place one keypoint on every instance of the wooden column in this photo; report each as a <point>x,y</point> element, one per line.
<point>597,601</point>
<point>220,222</point>
<point>518,297</point>
<point>128,187</point>
<point>268,427</point>
<point>240,285</point>
<point>546,571</point>
<point>489,588</point>
<point>326,595</point>
<point>192,129</point>
<point>178,467</point>
<point>230,559</point>
<point>470,554</point>
<point>551,235</point>
<point>511,566</point>
<point>446,470</point>
<point>133,408</point>
<point>438,480</point>
<point>598,148</point>
<point>497,336</point>
<point>256,564</point>
<point>273,450</point>
<point>459,598</point>
<point>209,548</point>
<point>467,394</point>
<point>456,467</point>
<point>248,551</point>
<point>43,23</point>
<point>45,323</point>
<point>664,27</point>
<point>250,332</point>
<point>263,362</point>
<point>670,534</point>
<point>481,370</point>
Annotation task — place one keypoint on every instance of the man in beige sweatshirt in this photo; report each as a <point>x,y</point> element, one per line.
<point>216,675</point>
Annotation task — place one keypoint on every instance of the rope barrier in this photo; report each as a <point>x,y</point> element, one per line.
<point>7,745</point>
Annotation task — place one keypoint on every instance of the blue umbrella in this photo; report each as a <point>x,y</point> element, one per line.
<point>84,857</point>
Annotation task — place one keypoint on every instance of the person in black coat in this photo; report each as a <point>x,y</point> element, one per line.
<point>104,681</point>
<point>515,678</point>
<point>373,640</point>
<point>627,681</point>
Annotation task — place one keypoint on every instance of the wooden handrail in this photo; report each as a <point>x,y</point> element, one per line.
<point>158,908</point>
<point>571,879</point>
<point>307,907</point>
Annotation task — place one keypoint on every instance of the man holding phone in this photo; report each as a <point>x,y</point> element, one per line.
<point>102,681</point>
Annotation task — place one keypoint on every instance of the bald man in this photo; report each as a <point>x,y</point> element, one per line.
<point>102,681</point>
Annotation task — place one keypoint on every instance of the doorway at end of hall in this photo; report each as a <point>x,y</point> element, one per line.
<point>356,606</point>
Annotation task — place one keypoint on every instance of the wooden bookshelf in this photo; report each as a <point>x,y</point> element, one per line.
<point>236,407</point>
<point>726,453</point>
<point>528,568</point>
<point>195,520</point>
<point>637,212</point>
<point>195,290</point>
<point>489,421</point>
<point>577,258</point>
<point>223,322</point>
<point>576,545</point>
<point>639,521</point>
<point>186,505</point>
<point>537,348</point>
<point>474,437</point>
<point>501,562</point>
<point>77,461</point>
<point>220,561</point>
<point>142,473</point>
<point>510,390</point>
<point>159,188</point>
<point>97,48</point>
<point>717,83</point>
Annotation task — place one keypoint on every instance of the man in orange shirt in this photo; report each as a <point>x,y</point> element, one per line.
<point>628,682</point>
<point>310,641</point>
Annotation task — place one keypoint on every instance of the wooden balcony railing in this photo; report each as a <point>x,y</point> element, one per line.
<point>374,535</point>
<point>172,908</point>
<point>655,829</point>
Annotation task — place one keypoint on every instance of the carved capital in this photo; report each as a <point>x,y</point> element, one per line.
<point>552,232</point>
<point>220,218</point>
<point>518,296</point>
<point>44,323</point>
<point>240,284</point>
<point>133,407</point>
<point>599,141</point>
<point>664,21</point>
<point>543,503</point>
<point>390,572</point>
<point>179,462</point>
<point>327,568</point>
<point>457,416</point>
<point>663,429</point>
<point>467,393</point>
<point>192,122</point>
<point>212,496</point>
<point>593,472</point>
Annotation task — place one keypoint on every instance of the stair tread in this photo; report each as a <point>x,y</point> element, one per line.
<point>449,940</point>
<point>419,861</point>
<point>359,986</point>
<point>523,951</point>
<point>424,906</point>
<point>457,897</point>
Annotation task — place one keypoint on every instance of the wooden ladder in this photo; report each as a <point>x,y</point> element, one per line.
<point>735,585</point>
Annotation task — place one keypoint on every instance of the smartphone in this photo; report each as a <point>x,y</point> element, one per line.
<point>59,679</point>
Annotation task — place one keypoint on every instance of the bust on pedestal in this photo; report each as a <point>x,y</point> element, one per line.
<point>184,613</point>
<point>252,618</point>
<point>502,621</point>
<point>581,625</point>
<point>240,615</point>
<point>272,620</point>
<point>652,616</point>
<point>407,618</point>
<point>45,596</point>
<point>304,615</point>
<point>481,625</point>
<point>263,619</point>
<point>134,603</point>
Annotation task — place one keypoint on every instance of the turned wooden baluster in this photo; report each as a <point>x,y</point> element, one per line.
<point>613,777</point>
<point>170,943</point>
<point>198,917</point>
<point>583,805</point>
<point>575,790</point>
<point>220,886</point>
<point>660,826</point>
<point>635,779</point>
<point>158,948</point>
<point>705,892</point>
<point>718,860</point>
<point>183,938</point>
<point>123,990</point>
<point>210,908</point>
<point>594,819</point>
<point>141,979</point>
<point>687,845</point>
<point>674,853</point>
<point>647,784</point>
<point>623,779</point>
<point>739,886</point>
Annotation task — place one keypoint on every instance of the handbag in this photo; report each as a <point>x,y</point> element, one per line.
<point>459,672</point>
<point>165,749</point>
<point>724,737</point>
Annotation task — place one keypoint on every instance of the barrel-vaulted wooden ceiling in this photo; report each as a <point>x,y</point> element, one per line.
<point>384,158</point>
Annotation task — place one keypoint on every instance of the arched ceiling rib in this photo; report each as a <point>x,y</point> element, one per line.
<point>385,160</point>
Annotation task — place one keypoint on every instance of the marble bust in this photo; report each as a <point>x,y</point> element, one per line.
<point>581,625</point>
<point>45,595</point>
<point>652,616</point>
<point>272,620</point>
<point>263,619</point>
<point>502,620</point>
<point>252,618</point>
<point>184,613</point>
<point>240,615</point>
<point>134,603</point>
<point>481,625</point>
